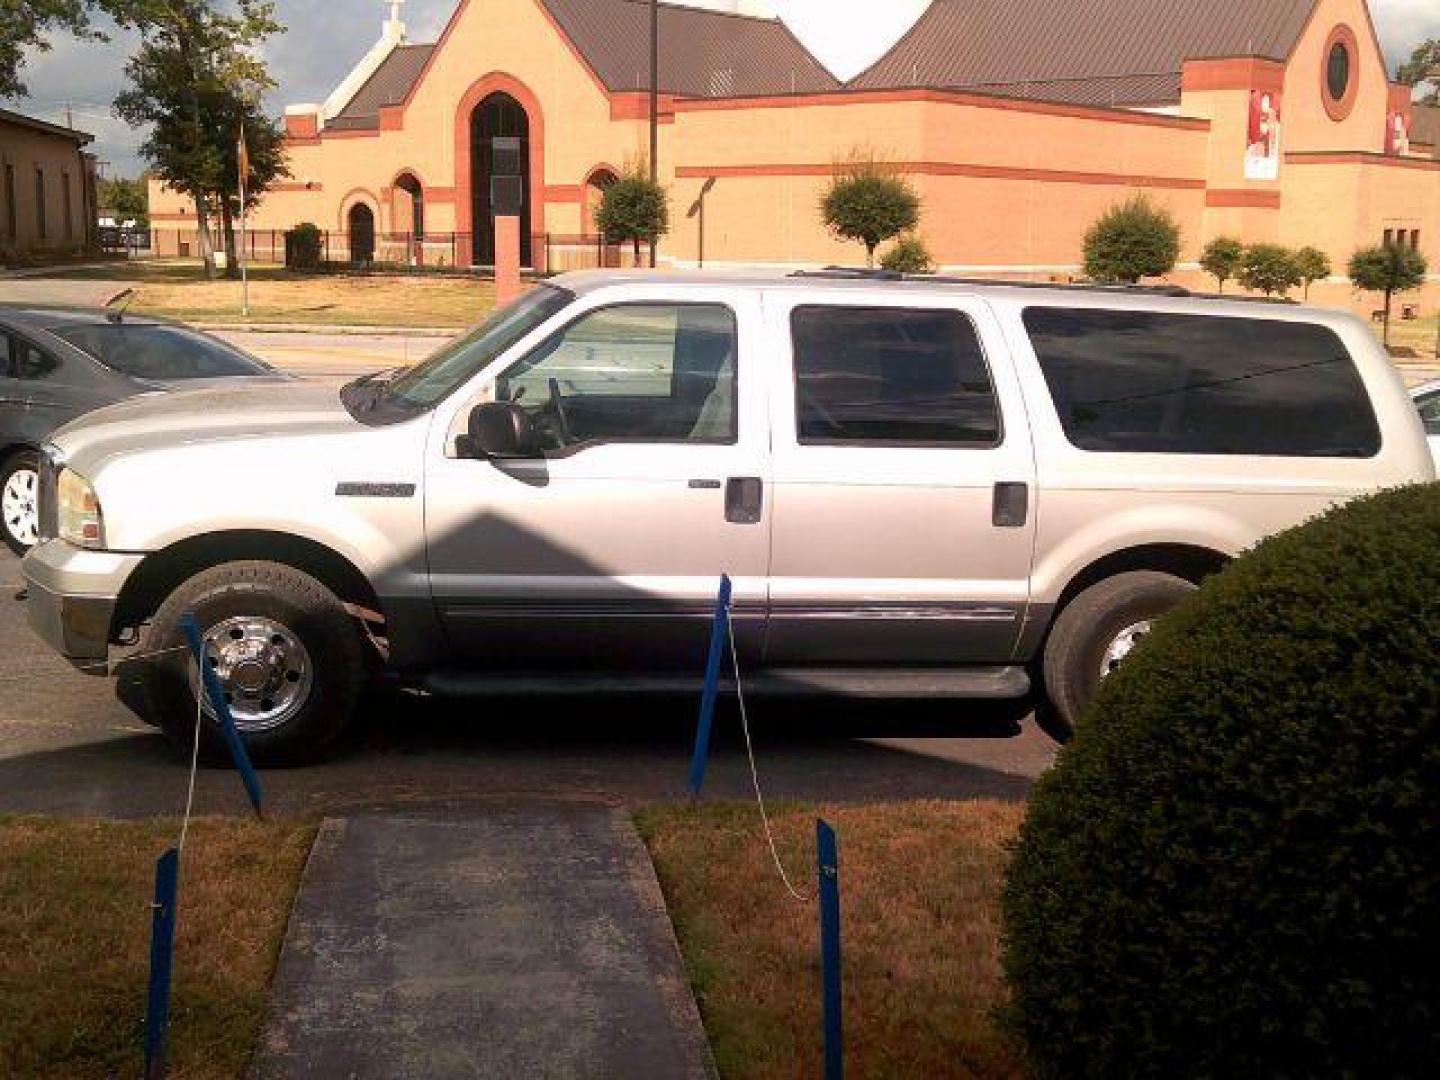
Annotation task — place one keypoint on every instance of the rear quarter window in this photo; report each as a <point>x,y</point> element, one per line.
<point>1162,383</point>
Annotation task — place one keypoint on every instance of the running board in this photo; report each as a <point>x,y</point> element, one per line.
<point>996,683</point>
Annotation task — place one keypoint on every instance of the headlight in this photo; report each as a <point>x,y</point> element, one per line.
<point>80,520</point>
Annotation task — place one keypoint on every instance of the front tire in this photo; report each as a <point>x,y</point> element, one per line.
<point>19,501</point>
<point>1097,630</point>
<point>287,654</point>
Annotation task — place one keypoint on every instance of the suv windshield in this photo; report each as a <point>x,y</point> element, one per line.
<point>159,351</point>
<point>450,366</point>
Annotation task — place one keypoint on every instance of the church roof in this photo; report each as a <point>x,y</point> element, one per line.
<point>702,53</point>
<point>1071,51</point>
<point>389,85</point>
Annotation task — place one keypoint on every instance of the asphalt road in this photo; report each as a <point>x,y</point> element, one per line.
<point>67,746</point>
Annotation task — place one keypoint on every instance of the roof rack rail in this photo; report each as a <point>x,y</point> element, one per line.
<point>858,273</point>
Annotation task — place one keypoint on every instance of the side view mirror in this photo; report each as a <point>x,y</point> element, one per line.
<point>499,429</point>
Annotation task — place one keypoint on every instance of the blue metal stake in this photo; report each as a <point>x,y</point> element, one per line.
<point>162,952</point>
<point>216,693</point>
<point>718,636</point>
<point>829,860</point>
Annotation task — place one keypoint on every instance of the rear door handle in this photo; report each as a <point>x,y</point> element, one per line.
<point>744,500</point>
<point>1011,508</point>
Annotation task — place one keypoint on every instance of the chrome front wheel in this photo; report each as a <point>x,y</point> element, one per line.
<point>19,507</point>
<point>263,668</point>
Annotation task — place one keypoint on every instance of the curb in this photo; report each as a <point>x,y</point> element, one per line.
<point>331,331</point>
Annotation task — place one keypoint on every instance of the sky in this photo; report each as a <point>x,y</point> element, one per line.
<point>845,34</point>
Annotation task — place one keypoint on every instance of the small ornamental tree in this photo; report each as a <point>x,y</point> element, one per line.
<point>1270,269</point>
<point>1313,265</point>
<point>1222,258</point>
<point>1388,269</point>
<point>869,202</point>
<point>634,208</point>
<point>908,256</point>
<point>1132,240</point>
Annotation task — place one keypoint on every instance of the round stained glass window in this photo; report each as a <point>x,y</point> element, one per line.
<point>1337,71</point>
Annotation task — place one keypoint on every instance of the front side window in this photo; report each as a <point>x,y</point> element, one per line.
<point>891,377</point>
<point>1429,406</point>
<point>632,373</point>
<point>1161,383</point>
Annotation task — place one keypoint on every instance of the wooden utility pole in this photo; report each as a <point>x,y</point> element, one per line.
<point>654,104</point>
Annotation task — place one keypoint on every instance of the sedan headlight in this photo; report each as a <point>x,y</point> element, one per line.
<point>80,520</point>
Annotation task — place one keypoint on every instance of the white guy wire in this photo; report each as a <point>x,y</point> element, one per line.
<point>194,756</point>
<point>755,776</point>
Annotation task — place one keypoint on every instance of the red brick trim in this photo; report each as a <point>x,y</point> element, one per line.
<point>298,185</point>
<point>946,168</point>
<point>1232,73</point>
<point>1243,197</point>
<point>942,97</point>
<point>635,105</point>
<point>564,193</point>
<point>1359,157</point>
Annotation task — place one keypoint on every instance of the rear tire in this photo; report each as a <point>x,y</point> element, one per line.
<point>1096,630</point>
<point>19,501</point>
<point>287,652</point>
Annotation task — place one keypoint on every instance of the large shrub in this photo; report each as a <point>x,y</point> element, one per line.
<point>303,247</point>
<point>1234,868</point>
<point>1131,240</point>
<point>908,256</point>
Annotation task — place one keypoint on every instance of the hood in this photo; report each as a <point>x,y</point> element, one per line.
<point>216,382</point>
<point>161,421</point>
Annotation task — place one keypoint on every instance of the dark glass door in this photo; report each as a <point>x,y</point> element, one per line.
<point>498,116</point>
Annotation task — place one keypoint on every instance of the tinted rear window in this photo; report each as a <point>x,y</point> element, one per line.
<point>891,376</point>
<point>1153,382</point>
<point>160,352</point>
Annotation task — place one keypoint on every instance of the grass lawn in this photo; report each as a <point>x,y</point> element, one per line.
<point>179,290</point>
<point>919,892</point>
<point>1418,334</point>
<point>75,927</point>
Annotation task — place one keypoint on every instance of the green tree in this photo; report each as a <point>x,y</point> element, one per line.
<point>1222,258</point>
<point>634,208</point>
<point>27,25</point>
<point>196,74</point>
<point>1270,269</point>
<point>908,256</point>
<point>1423,67</point>
<point>1314,265</point>
<point>1388,269</point>
<point>869,202</point>
<point>1132,240</point>
<point>127,198</point>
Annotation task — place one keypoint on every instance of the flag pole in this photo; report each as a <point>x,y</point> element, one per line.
<point>244,159</point>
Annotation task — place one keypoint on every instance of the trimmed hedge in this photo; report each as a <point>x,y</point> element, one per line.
<point>1234,868</point>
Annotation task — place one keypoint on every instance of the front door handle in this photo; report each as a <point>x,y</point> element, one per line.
<point>1011,509</point>
<point>744,500</point>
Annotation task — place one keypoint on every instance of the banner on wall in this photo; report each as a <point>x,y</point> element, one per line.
<point>1397,134</point>
<point>1262,144</point>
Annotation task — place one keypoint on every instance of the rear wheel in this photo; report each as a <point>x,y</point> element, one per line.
<point>19,501</point>
<point>287,655</point>
<point>1097,631</point>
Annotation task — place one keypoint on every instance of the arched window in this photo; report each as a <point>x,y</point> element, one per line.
<point>410,205</point>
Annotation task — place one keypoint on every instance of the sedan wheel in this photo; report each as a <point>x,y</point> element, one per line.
<point>19,504</point>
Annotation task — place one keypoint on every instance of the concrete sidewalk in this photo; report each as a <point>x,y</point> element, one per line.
<point>526,941</point>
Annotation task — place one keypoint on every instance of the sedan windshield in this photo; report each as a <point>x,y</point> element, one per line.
<point>451,365</point>
<point>159,351</point>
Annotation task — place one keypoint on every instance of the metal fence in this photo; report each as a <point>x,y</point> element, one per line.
<point>418,253</point>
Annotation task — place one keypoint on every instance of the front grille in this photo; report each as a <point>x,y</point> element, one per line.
<point>51,462</point>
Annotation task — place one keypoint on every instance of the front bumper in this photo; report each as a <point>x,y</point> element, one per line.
<point>70,598</point>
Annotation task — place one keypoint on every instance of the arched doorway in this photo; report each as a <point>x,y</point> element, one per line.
<point>497,116</point>
<point>361,224</point>
<point>595,185</point>
<point>409,205</point>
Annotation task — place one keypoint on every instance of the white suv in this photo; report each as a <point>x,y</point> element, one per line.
<point>918,486</point>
